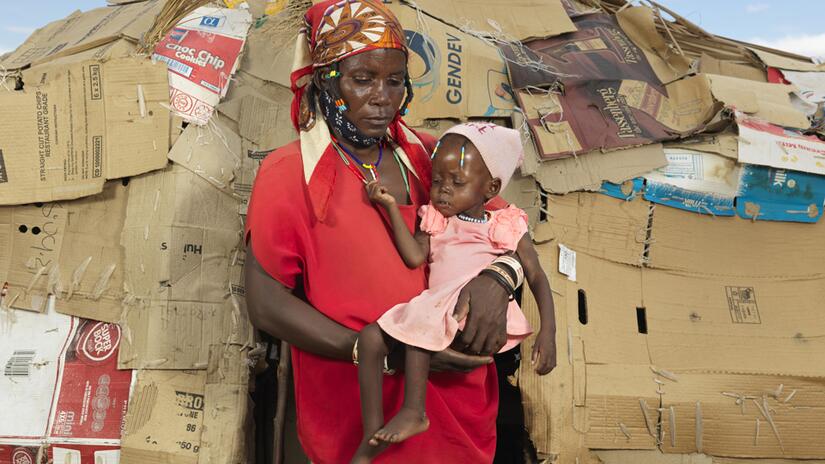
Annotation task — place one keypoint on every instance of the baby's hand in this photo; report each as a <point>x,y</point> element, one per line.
<point>544,352</point>
<point>379,194</point>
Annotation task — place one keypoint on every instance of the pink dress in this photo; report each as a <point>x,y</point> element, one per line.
<point>459,250</point>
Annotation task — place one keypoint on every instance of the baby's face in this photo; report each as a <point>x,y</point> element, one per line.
<point>458,189</point>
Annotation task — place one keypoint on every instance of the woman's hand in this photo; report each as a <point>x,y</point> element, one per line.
<point>483,301</point>
<point>448,360</point>
<point>544,352</point>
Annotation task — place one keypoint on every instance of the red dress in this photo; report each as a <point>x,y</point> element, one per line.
<point>350,271</point>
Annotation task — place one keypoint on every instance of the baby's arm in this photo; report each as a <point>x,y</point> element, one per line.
<point>544,347</point>
<point>413,249</point>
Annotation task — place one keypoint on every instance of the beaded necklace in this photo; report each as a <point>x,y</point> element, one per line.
<point>372,168</point>
<point>464,217</point>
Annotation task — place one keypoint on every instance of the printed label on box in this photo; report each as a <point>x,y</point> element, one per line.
<point>742,304</point>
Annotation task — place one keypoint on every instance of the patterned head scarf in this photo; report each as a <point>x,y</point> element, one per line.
<point>335,30</point>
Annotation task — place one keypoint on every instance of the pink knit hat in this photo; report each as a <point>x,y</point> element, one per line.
<point>499,146</point>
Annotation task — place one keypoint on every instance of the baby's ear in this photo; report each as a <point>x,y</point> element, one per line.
<point>493,188</point>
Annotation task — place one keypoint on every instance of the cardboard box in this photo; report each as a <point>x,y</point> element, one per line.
<point>189,416</point>
<point>86,123</point>
<point>455,75</point>
<point>202,53</point>
<point>640,347</point>
<point>68,249</point>
<point>511,19</point>
<point>60,379</point>
<point>81,31</point>
<point>183,271</point>
<point>770,145</point>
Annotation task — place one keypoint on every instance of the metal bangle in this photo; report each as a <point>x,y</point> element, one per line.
<point>387,370</point>
<point>355,352</point>
<point>498,278</point>
<point>514,265</point>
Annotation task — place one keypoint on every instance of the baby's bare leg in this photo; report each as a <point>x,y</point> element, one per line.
<point>412,418</point>
<point>372,348</point>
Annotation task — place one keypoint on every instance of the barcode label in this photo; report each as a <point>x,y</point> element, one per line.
<point>174,65</point>
<point>20,363</point>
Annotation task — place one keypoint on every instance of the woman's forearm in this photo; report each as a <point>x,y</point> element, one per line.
<point>275,310</point>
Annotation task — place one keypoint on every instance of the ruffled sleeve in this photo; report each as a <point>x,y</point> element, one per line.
<point>432,222</point>
<point>507,227</point>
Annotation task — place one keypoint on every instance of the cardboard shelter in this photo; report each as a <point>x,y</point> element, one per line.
<point>673,179</point>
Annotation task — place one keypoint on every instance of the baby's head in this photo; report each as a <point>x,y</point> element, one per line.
<point>472,163</point>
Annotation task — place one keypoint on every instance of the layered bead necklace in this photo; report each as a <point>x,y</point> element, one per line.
<point>350,157</point>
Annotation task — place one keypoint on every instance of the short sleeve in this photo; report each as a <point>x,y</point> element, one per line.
<point>277,223</point>
<point>432,222</point>
<point>507,227</point>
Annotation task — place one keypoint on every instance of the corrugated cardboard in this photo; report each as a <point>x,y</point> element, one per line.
<point>693,243</point>
<point>190,417</point>
<point>270,49</point>
<point>770,145</point>
<point>183,271</point>
<point>69,249</point>
<point>455,75</point>
<point>770,102</point>
<point>712,65</point>
<point>588,171</point>
<point>226,397</point>
<point>511,19</point>
<point>614,114</point>
<point>782,62</point>
<point>639,25</point>
<point>165,419</point>
<point>599,225</point>
<point>84,124</point>
<point>81,31</point>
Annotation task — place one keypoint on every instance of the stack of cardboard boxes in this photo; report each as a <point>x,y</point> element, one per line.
<point>673,178</point>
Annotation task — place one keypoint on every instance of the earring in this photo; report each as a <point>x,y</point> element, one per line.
<point>341,105</point>
<point>332,74</point>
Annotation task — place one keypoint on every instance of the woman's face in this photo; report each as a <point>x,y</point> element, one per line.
<point>372,85</point>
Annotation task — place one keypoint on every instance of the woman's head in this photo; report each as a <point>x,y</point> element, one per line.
<point>472,163</point>
<point>354,64</point>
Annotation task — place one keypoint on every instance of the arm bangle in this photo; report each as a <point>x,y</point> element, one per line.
<point>501,280</point>
<point>513,265</point>
<point>355,352</point>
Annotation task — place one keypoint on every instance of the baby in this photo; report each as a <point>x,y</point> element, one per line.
<point>472,163</point>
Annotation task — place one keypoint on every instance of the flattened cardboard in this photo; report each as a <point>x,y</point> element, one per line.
<point>711,65</point>
<point>165,418</point>
<point>782,62</point>
<point>729,425</point>
<point>588,171</point>
<point>82,31</point>
<point>639,23</point>
<point>770,102</point>
<point>724,143</point>
<point>86,123</point>
<point>780,195</point>
<point>226,397</point>
<point>598,225</point>
<point>609,115</point>
<point>183,271</point>
<point>202,52</point>
<point>769,145</point>
<point>513,19</point>
<point>69,249</point>
<point>699,182</point>
<point>762,325</point>
<point>455,75</point>
<point>692,243</point>
<point>269,51</point>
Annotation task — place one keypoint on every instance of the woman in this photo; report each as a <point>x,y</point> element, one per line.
<point>321,263</point>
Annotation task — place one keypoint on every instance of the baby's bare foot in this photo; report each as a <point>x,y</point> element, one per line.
<point>405,424</point>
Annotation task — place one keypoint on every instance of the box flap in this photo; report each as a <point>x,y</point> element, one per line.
<point>732,246</point>
<point>87,123</point>
<point>455,75</point>
<point>782,62</point>
<point>83,30</point>
<point>769,145</point>
<point>69,249</point>
<point>770,102</point>
<point>514,20</point>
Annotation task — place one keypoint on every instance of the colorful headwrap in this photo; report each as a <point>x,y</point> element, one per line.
<point>335,30</point>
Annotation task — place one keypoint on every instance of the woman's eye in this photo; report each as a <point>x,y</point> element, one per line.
<point>396,82</point>
<point>361,80</point>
